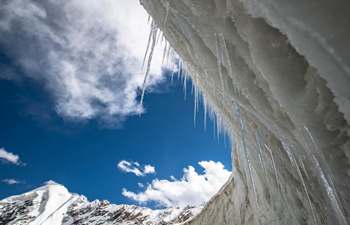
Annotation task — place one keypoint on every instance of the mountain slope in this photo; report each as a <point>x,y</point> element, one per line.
<point>52,204</point>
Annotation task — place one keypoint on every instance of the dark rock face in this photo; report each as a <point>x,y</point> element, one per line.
<point>11,211</point>
<point>106,213</point>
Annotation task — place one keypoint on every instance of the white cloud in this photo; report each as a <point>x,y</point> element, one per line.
<point>135,168</point>
<point>191,189</point>
<point>10,181</point>
<point>87,53</point>
<point>9,157</point>
<point>149,169</point>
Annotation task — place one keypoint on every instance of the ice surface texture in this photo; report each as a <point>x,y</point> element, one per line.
<point>277,75</point>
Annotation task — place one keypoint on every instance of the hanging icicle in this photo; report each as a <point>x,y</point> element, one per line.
<point>295,164</point>
<point>153,33</point>
<point>325,175</point>
<point>167,9</point>
<point>219,64</point>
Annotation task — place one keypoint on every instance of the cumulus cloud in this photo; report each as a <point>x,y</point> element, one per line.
<point>192,189</point>
<point>149,169</point>
<point>9,157</point>
<point>136,168</point>
<point>10,181</point>
<point>87,54</point>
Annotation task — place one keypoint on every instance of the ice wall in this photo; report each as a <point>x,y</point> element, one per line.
<point>277,74</point>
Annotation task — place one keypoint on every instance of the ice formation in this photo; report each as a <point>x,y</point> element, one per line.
<point>277,75</point>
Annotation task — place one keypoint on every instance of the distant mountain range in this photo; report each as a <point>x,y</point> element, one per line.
<point>53,204</point>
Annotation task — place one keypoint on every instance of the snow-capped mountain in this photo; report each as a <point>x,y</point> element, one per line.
<point>53,204</point>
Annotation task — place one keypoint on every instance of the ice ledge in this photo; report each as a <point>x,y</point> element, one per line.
<point>276,73</point>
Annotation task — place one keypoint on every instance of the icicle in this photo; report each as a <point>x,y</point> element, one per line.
<point>196,100</point>
<point>296,165</point>
<point>166,57</point>
<point>159,34</point>
<point>279,186</point>
<point>219,64</point>
<point>185,86</point>
<point>167,7</point>
<point>306,191</point>
<point>169,59</point>
<point>149,18</point>
<point>180,68</point>
<point>246,154</point>
<point>192,89</point>
<point>273,164</point>
<point>259,148</point>
<point>174,64</point>
<point>217,128</point>
<point>252,180</point>
<point>214,121</point>
<point>227,54</point>
<point>149,61</point>
<point>327,182</point>
<point>205,113</point>
<point>162,39</point>
<point>304,169</point>
<point>172,76</point>
<point>164,52</point>
<point>195,107</point>
<point>197,93</point>
<point>148,45</point>
<point>225,144</point>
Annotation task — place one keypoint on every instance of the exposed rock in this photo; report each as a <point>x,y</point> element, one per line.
<point>52,204</point>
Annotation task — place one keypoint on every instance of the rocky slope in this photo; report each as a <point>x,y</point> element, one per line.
<point>52,204</point>
<point>276,74</point>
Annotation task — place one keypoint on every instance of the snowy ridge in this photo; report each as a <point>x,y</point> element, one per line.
<point>53,204</point>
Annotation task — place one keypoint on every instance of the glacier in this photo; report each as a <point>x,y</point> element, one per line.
<point>276,74</point>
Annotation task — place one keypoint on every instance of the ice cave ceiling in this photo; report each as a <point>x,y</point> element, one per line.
<point>277,75</point>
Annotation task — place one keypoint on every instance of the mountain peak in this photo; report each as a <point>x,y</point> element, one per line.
<point>53,204</point>
<point>51,182</point>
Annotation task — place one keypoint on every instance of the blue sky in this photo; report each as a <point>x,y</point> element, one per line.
<point>70,80</point>
<point>84,155</point>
